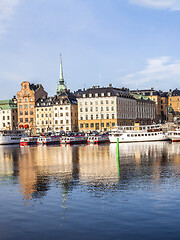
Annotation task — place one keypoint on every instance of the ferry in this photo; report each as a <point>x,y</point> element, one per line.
<point>174,135</point>
<point>79,139</point>
<point>149,133</point>
<point>97,139</point>
<point>28,141</point>
<point>48,140</point>
<point>11,136</point>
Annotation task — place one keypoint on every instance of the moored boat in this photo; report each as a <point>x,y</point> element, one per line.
<point>79,139</point>
<point>28,141</point>
<point>174,135</point>
<point>97,139</point>
<point>11,136</point>
<point>48,140</point>
<point>149,133</point>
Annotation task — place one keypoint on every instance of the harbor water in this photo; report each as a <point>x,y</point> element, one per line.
<point>80,192</point>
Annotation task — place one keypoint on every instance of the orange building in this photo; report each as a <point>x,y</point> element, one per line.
<point>26,99</point>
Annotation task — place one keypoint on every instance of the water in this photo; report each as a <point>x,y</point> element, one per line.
<point>77,192</point>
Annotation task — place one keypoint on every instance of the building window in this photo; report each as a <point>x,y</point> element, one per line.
<point>20,100</point>
<point>67,114</point>
<point>86,117</point>
<point>46,122</point>
<point>107,116</point>
<point>26,119</point>
<point>37,109</point>
<point>56,122</point>
<point>42,122</point>
<point>92,125</point>
<point>91,116</point>
<point>46,115</point>
<point>21,113</point>
<point>31,99</point>
<point>81,118</point>
<point>26,99</point>
<point>91,109</point>
<point>3,117</point>
<point>107,101</point>
<point>31,112</point>
<point>21,119</point>
<point>61,114</point>
<point>37,115</point>
<point>102,116</point>
<point>61,121</point>
<point>112,116</point>
<point>86,103</point>
<point>102,124</point>
<point>112,102</point>
<point>81,125</point>
<point>31,120</point>
<point>91,103</point>
<point>112,108</point>
<point>26,112</point>
<point>67,121</point>
<point>50,115</point>
<point>96,116</point>
<point>107,108</point>
<point>101,101</point>
<point>107,124</point>
<point>56,115</point>
<point>42,115</point>
<point>87,125</point>
<point>96,109</point>
<point>113,124</point>
<point>26,106</point>
<point>86,109</point>
<point>20,106</point>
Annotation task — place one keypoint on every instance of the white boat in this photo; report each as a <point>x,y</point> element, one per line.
<point>48,140</point>
<point>97,139</point>
<point>174,135</point>
<point>78,139</point>
<point>28,141</point>
<point>149,133</point>
<point>11,136</point>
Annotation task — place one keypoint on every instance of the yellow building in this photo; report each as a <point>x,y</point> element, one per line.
<point>174,100</point>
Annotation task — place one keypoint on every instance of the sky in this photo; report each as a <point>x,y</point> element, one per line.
<point>126,43</point>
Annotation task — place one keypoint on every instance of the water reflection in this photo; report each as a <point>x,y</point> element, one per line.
<point>37,169</point>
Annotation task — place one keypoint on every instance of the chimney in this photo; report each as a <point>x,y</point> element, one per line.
<point>110,85</point>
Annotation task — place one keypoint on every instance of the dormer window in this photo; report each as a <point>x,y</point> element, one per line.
<point>84,95</point>
<point>109,94</point>
<point>102,94</point>
<point>96,94</point>
<point>90,95</point>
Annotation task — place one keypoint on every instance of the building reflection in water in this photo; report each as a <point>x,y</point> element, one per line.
<point>37,169</point>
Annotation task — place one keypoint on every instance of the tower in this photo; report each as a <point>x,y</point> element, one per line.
<point>61,85</point>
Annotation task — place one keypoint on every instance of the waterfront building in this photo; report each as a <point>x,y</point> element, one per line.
<point>65,112</point>
<point>8,114</point>
<point>164,106</point>
<point>174,100</point>
<point>26,99</point>
<point>105,108</point>
<point>145,109</point>
<point>44,114</point>
<point>156,97</point>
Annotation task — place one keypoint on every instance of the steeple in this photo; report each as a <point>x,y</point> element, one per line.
<point>61,85</point>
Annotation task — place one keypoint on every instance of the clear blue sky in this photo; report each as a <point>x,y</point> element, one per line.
<point>130,43</point>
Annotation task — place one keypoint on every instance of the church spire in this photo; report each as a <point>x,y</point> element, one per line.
<point>61,85</point>
<point>61,70</point>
